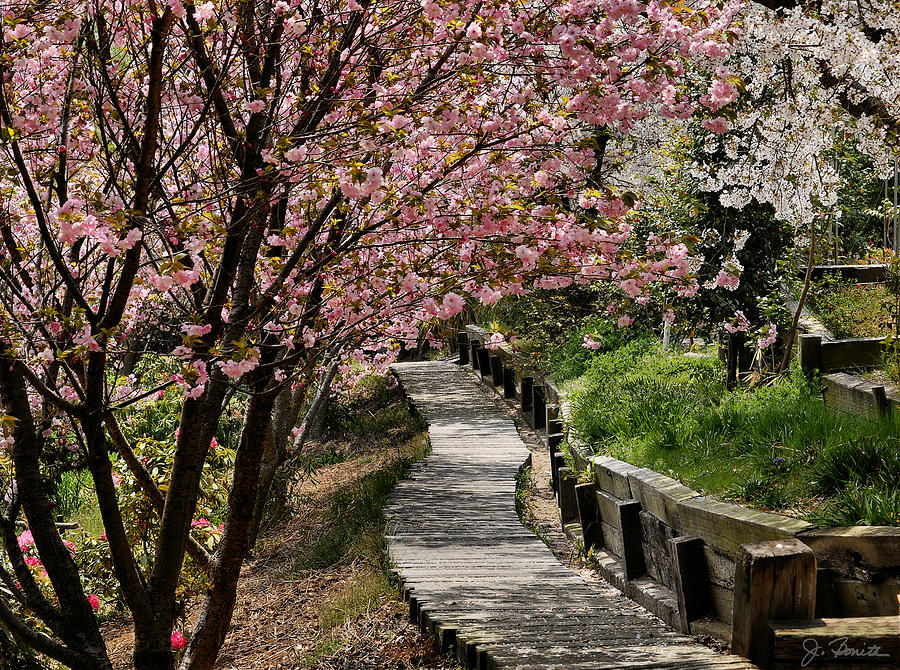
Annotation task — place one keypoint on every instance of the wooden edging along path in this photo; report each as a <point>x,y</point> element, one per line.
<point>486,587</point>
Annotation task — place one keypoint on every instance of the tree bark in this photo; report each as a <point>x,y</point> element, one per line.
<point>215,618</point>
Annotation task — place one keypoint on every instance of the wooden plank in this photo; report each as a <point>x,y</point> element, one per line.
<point>655,542</point>
<point>612,539</point>
<point>850,393</point>
<point>726,526</point>
<point>691,583</point>
<point>856,598</point>
<point>872,642</point>
<point>661,496</point>
<point>612,476</point>
<point>858,274</point>
<point>846,549</point>
<point>773,580</point>
<point>862,352</point>
<point>608,508</point>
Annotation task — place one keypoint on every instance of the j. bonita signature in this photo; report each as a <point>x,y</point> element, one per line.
<point>839,649</point>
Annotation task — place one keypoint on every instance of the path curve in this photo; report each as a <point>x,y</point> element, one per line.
<point>489,589</point>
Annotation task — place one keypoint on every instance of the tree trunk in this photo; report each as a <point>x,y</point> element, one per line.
<point>215,618</point>
<point>807,280</point>
<point>286,412</point>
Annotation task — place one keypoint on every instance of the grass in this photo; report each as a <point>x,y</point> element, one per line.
<point>851,310</point>
<point>774,447</point>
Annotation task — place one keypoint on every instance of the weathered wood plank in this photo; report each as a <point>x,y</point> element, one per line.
<point>726,526</point>
<point>661,496</point>
<point>871,642</point>
<point>612,476</point>
<point>691,584</point>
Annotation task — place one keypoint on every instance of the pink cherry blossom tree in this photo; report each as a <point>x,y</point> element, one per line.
<point>284,185</point>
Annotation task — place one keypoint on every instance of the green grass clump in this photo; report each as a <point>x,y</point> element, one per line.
<point>850,310</point>
<point>775,447</point>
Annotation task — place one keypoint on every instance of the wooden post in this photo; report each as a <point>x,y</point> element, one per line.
<point>551,413</point>
<point>462,340</point>
<point>735,346</point>
<point>554,425</point>
<point>509,382</point>
<point>691,580</point>
<point>883,406</point>
<point>553,442</point>
<point>539,407</point>
<point>810,353</point>
<point>629,513</point>
<point>497,369</point>
<point>527,384</point>
<point>568,504</point>
<point>775,579</point>
<point>589,516</point>
<point>484,363</point>
<point>556,464</point>
<point>474,346</point>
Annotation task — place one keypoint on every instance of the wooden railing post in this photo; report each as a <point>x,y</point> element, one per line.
<point>568,503</point>
<point>527,384</point>
<point>462,341</point>
<point>474,346</point>
<point>775,579</point>
<point>509,382</point>
<point>629,512</point>
<point>496,369</point>
<point>554,440</point>
<point>484,362</point>
<point>589,516</point>
<point>691,579</point>
<point>810,353</point>
<point>539,407</point>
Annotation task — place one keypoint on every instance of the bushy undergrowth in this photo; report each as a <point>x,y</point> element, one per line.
<point>775,447</point>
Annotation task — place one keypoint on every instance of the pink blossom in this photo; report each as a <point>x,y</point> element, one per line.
<point>738,323</point>
<point>205,11</point>
<point>178,641</point>
<point>495,341</point>
<point>590,342</point>
<point>624,321</point>
<point>451,305</point>
<point>25,540</point>
<point>768,337</point>
<point>94,601</point>
<point>717,125</point>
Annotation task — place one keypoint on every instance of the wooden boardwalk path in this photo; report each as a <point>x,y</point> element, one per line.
<point>488,588</point>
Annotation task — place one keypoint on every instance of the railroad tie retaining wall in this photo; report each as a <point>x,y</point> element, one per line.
<point>676,551</point>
